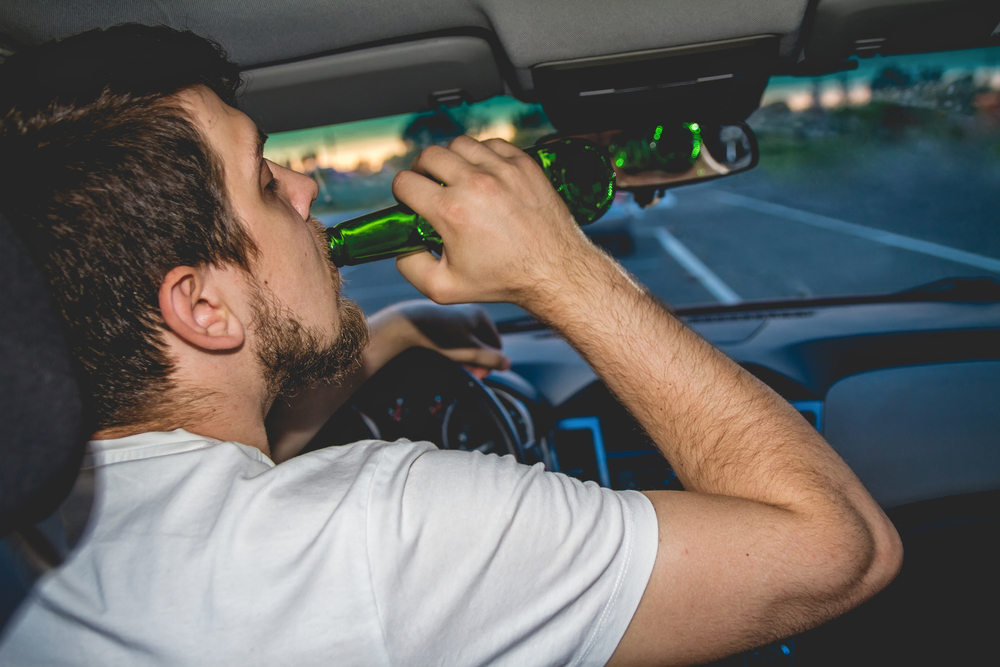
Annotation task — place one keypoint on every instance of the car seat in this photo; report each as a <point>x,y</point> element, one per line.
<point>41,441</point>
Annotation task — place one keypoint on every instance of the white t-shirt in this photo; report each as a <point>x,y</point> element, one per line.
<point>205,553</point>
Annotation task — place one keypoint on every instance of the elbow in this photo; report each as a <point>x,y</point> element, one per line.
<point>869,561</point>
<point>887,556</point>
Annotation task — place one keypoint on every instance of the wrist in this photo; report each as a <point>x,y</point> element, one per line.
<point>572,285</point>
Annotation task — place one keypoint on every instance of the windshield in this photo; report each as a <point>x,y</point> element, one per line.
<point>870,181</point>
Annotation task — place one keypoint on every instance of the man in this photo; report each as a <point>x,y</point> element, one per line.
<point>195,290</point>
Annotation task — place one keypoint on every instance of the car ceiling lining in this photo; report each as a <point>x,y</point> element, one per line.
<point>274,39</point>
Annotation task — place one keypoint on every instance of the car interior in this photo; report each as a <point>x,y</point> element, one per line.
<point>903,382</point>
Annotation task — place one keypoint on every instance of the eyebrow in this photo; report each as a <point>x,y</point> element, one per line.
<point>259,153</point>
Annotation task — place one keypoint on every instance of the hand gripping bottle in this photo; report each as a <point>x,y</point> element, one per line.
<point>579,171</point>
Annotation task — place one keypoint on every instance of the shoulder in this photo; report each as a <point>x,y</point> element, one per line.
<point>460,502</point>
<point>553,566</point>
<point>491,483</point>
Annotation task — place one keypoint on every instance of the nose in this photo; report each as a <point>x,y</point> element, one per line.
<point>302,190</point>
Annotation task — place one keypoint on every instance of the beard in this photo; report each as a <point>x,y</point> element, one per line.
<point>294,357</point>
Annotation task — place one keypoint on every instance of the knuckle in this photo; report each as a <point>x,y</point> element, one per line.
<point>463,140</point>
<point>524,161</point>
<point>485,183</point>
<point>496,143</point>
<point>432,152</point>
<point>451,210</point>
<point>510,169</point>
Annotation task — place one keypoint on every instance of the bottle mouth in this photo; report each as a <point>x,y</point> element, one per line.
<point>335,246</point>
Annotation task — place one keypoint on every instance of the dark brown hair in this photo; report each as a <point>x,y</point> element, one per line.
<point>111,186</point>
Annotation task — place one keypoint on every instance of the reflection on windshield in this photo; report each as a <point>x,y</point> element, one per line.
<point>871,181</point>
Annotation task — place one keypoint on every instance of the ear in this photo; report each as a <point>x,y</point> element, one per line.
<point>194,308</point>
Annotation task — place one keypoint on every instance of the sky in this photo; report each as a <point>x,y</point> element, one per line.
<point>344,146</point>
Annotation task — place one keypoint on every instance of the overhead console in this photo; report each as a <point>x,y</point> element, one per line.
<point>864,28</point>
<point>714,81</point>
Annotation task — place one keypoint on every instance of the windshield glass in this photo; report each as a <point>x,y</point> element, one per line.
<point>870,181</point>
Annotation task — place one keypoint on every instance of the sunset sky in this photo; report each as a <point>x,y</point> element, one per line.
<point>345,146</point>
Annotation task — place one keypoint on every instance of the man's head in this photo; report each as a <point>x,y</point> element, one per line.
<point>136,184</point>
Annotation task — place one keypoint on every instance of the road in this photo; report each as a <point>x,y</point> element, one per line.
<point>883,225</point>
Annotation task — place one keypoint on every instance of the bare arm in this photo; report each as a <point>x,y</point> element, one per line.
<point>464,334</point>
<point>775,534</point>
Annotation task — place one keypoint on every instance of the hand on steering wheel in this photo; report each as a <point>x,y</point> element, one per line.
<point>463,333</point>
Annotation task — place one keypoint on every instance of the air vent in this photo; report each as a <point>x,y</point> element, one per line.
<point>753,315</point>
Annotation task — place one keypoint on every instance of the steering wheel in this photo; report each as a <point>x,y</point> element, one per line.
<point>423,395</point>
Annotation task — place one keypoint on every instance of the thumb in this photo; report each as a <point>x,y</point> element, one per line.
<point>423,271</point>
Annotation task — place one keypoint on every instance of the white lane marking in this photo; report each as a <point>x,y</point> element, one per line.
<point>869,233</point>
<point>696,267</point>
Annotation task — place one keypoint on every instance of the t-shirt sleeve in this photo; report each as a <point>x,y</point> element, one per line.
<point>479,560</point>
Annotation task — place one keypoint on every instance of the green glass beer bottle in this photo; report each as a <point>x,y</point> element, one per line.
<point>579,171</point>
<point>673,148</point>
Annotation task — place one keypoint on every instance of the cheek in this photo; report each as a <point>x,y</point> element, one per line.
<point>317,277</point>
<point>302,246</point>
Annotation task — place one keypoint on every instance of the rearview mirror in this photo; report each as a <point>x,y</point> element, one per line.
<point>664,156</point>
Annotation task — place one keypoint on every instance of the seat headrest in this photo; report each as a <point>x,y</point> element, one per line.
<point>41,443</point>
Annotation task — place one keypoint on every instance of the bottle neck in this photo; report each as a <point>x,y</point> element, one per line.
<point>382,234</point>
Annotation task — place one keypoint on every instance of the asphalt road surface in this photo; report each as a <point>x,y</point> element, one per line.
<point>879,226</point>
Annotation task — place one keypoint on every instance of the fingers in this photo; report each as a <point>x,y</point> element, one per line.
<point>461,162</point>
<point>484,328</point>
<point>482,357</point>
<point>479,152</point>
<point>480,373</point>
<point>447,165</point>
<point>409,187</point>
<point>444,165</point>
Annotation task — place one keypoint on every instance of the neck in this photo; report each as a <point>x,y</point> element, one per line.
<point>256,438</point>
<point>227,416</point>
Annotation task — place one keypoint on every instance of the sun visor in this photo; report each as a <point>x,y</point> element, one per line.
<point>864,28</point>
<point>408,77</point>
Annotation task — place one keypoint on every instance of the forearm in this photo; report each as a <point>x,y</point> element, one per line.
<point>723,431</point>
